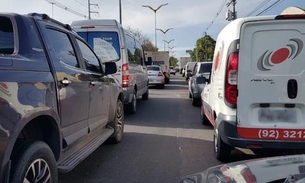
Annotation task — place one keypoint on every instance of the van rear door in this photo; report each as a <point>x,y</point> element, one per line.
<point>271,80</point>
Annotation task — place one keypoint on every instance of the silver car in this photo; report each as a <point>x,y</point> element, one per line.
<point>156,76</point>
<point>199,76</point>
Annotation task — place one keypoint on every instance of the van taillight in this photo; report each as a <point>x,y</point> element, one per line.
<point>125,75</point>
<point>231,79</point>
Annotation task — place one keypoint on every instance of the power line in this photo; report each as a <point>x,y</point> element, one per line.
<point>53,2</point>
<point>258,7</point>
<point>81,3</point>
<point>222,5</point>
<point>271,6</point>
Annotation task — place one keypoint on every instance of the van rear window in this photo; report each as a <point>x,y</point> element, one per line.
<point>105,44</point>
<point>6,36</point>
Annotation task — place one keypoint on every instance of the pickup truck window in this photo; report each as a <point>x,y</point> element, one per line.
<point>91,61</point>
<point>6,36</point>
<point>63,48</point>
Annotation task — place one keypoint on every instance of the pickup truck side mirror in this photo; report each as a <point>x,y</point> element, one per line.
<point>110,68</point>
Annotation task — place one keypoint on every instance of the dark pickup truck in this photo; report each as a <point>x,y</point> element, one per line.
<point>58,102</point>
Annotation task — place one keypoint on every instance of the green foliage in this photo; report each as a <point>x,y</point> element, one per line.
<point>173,61</point>
<point>204,49</point>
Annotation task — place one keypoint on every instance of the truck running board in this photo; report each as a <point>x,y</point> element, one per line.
<point>72,161</point>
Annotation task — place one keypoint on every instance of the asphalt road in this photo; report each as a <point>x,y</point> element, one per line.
<point>163,142</point>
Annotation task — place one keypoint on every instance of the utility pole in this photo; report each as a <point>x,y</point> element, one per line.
<point>206,46</point>
<point>89,9</point>
<point>231,15</point>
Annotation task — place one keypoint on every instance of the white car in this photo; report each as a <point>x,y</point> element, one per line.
<point>255,97</point>
<point>156,76</point>
<point>172,70</point>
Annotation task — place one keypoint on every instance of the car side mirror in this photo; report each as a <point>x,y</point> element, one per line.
<point>110,67</point>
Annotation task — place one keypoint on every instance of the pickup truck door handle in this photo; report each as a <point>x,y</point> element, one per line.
<point>65,81</point>
<point>93,83</point>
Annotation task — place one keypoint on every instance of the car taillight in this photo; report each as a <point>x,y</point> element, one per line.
<point>160,74</point>
<point>125,75</point>
<point>231,79</point>
<point>248,176</point>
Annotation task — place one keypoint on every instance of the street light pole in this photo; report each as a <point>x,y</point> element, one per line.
<point>120,11</point>
<point>164,32</point>
<point>155,10</point>
<point>168,41</point>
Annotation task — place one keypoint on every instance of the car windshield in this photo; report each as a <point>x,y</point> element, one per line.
<point>205,68</point>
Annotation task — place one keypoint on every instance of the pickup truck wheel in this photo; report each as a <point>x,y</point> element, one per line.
<point>145,95</point>
<point>222,150</point>
<point>132,106</point>
<point>34,162</point>
<point>118,124</point>
<point>204,120</point>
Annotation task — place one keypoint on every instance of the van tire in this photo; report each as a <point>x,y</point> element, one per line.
<point>222,150</point>
<point>117,124</point>
<point>145,95</point>
<point>29,154</point>
<point>132,106</point>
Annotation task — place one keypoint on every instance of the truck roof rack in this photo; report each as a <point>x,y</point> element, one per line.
<point>46,17</point>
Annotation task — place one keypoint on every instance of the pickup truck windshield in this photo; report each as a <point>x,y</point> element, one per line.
<point>105,44</point>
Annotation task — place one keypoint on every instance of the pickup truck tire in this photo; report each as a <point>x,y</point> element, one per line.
<point>132,106</point>
<point>222,150</point>
<point>118,124</point>
<point>34,158</point>
<point>145,95</point>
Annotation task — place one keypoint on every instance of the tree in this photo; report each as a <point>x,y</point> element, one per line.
<point>173,61</point>
<point>145,41</point>
<point>204,49</point>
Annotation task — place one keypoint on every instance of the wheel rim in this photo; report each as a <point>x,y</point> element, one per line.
<point>38,171</point>
<point>120,119</point>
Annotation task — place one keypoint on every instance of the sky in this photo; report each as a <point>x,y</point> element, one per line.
<point>190,19</point>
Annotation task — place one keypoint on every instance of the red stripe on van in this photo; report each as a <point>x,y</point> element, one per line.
<point>271,133</point>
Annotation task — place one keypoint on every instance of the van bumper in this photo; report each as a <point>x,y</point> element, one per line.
<point>128,92</point>
<point>228,133</point>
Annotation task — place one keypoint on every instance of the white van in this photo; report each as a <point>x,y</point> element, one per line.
<point>256,94</point>
<point>111,42</point>
<point>189,69</point>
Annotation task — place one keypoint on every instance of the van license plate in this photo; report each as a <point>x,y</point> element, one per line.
<point>273,115</point>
